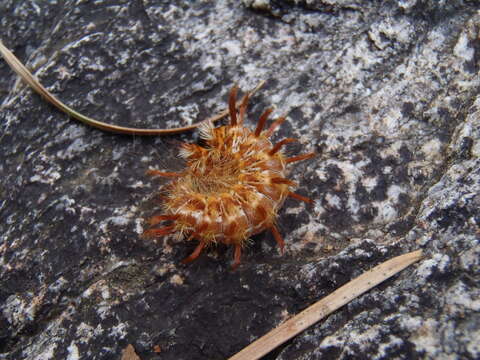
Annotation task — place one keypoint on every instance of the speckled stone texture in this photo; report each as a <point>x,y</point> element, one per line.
<point>387,93</point>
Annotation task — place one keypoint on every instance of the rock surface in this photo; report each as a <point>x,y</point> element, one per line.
<point>387,92</point>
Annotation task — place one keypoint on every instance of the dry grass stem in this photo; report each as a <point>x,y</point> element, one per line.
<point>27,76</point>
<point>326,306</point>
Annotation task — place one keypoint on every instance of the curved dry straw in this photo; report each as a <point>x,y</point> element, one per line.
<point>27,76</point>
<point>326,306</point>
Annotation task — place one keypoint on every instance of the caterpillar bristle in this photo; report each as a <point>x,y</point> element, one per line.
<point>154,172</point>
<point>232,105</point>
<point>300,197</point>
<point>300,157</point>
<point>274,125</point>
<point>167,230</point>
<point>280,180</point>
<point>205,130</point>
<point>261,121</point>
<point>278,238</point>
<point>185,151</point>
<point>277,146</point>
<point>195,254</point>
<point>243,109</point>
<point>237,257</point>
<point>154,220</point>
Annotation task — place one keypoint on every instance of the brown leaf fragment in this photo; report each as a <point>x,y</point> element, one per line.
<point>129,353</point>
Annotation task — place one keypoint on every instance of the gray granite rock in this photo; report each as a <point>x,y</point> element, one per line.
<point>385,91</point>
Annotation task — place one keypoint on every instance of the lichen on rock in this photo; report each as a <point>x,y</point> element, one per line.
<point>386,92</point>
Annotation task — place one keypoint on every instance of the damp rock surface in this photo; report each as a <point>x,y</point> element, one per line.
<point>385,92</point>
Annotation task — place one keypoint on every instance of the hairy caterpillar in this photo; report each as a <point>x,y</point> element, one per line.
<point>230,189</point>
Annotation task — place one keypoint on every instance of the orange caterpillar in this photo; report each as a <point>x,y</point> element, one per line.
<point>230,189</point>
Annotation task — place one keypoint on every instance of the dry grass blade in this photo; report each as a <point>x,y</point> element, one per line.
<point>326,306</point>
<point>27,76</point>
